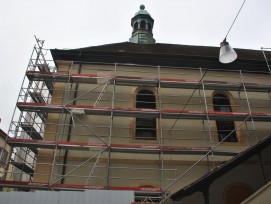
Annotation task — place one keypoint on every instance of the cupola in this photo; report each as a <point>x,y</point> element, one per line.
<point>142,24</point>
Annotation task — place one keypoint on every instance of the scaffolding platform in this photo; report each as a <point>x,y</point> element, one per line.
<point>124,148</point>
<point>37,97</point>
<point>73,187</point>
<point>31,131</point>
<point>24,167</point>
<point>136,81</point>
<point>147,113</point>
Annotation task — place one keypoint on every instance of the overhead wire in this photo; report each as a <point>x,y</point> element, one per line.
<point>235,18</point>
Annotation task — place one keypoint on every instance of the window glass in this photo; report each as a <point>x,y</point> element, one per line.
<point>224,128</point>
<point>143,24</point>
<point>3,156</point>
<point>145,127</point>
<point>135,26</point>
<point>149,27</point>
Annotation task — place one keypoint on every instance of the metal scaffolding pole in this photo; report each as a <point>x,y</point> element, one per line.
<point>60,129</point>
<point>266,60</point>
<point>79,166</point>
<point>207,115</point>
<point>161,155</point>
<point>249,108</point>
<point>111,127</point>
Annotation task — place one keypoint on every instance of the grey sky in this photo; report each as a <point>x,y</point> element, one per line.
<point>82,23</point>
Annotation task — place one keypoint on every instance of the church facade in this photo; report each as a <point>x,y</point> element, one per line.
<point>138,115</point>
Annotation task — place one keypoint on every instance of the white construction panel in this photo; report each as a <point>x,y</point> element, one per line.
<point>4,197</point>
<point>71,197</point>
<point>68,197</point>
<point>126,197</point>
<point>45,197</point>
<point>105,197</point>
<point>16,197</point>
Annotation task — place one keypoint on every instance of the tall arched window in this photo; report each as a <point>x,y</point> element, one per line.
<point>224,127</point>
<point>145,127</point>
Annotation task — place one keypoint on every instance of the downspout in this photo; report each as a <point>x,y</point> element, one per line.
<point>205,192</point>
<point>261,162</point>
<point>70,129</point>
<point>206,197</point>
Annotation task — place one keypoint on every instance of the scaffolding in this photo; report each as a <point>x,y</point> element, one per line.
<point>74,125</point>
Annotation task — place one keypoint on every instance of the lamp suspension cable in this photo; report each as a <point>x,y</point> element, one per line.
<point>235,18</point>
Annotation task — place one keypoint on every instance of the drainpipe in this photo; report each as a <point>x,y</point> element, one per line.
<point>205,192</point>
<point>260,158</point>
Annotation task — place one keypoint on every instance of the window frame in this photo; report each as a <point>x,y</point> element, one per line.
<point>224,128</point>
<point>3,156</point>
<point>145,128</point>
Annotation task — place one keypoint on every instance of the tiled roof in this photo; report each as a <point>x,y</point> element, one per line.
<point>172,49</point>
<point>167,55</point>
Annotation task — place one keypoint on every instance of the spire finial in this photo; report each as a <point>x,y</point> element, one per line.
<point>142,7</point>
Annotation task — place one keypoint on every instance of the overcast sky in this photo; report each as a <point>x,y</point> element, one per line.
<point>82,23</point>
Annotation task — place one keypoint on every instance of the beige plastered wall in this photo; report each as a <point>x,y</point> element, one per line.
<point>133,169</point>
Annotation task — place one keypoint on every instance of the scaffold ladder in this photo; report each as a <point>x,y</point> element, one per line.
<point>266,60</point>
<point>102,93</point>
<point>93,169</point>
<point>147,200</point>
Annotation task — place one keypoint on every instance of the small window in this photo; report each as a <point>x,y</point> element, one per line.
<point>3,156</point>
<point>221,103</point>
<point>224,128</point>
<point>143,24</point>
<point>149,27</point>
<point>145,127</point>
<point>135,26</point>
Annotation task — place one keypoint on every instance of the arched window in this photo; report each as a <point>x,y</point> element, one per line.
<point>135,26</point>
<point>143,24</point>
<point>149,27</point>
<point>145,127</point>
<point>237,193</point>
<point>225,128</point>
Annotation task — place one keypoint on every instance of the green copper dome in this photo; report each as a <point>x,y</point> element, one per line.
<point>142,11</point>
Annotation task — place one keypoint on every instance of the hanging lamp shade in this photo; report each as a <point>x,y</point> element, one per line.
<point>226,54</point>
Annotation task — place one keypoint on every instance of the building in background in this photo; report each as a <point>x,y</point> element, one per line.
<point>137,115</point>
<point>5,152</point>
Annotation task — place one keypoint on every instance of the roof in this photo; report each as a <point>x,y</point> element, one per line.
<point>142,11</point>
<point>206,180</point>
<point>164,55</point>
<point>3,134</point>
<point>161,48</point>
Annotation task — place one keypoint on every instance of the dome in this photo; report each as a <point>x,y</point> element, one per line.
<point>142,11</point>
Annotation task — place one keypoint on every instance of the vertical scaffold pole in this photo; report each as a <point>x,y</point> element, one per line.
<point>207,117</point>
<point>161,156</point>
<point>268,66</point>
<point>60,129</point>
<point>111,126</point>
<point>248,104</point>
